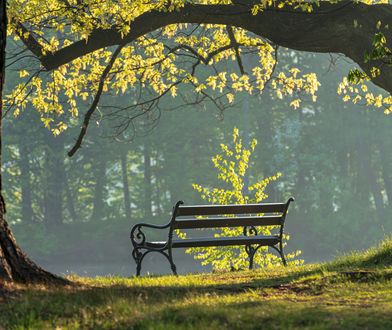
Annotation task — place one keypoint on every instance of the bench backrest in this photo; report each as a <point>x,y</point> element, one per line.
<point>263,214</point>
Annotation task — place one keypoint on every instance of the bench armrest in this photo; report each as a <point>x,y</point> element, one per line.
<point>137,235</point>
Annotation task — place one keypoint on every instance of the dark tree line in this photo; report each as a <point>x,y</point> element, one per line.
<point>335,159</point>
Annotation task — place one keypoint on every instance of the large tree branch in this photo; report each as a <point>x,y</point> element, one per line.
<point>344,27</point>
<point>30,42</point>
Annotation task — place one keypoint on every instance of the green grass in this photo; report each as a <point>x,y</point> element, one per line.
<point>352,292</point>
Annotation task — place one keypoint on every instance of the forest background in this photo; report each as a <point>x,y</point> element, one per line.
<point>335,158</point>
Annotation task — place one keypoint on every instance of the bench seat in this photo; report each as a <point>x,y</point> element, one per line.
<point>217,241</point>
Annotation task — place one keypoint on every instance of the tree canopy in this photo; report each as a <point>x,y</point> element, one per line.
<point>78,50</point>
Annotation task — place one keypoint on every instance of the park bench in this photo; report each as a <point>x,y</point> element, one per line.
<point>187,217</point>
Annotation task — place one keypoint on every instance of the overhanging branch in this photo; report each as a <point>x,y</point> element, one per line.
<point>95,102</point>
<point>329,28</point>
<point>29,41</point>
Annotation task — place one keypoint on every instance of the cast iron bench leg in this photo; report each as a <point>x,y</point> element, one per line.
<point>137,255</point>
<point>172,265</point>
<point>138,269</point>
<point>250,251</point>
<point>169,258</point>
<point>280,251</point>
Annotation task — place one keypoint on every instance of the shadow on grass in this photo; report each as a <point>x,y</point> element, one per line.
<point>146,306</point>
<point>265,315</point>
<point>47,305</point>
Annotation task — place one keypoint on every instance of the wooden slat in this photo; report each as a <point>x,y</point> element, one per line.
<point>225,241</point>
<point>228,222</point>
<point>192,210</point>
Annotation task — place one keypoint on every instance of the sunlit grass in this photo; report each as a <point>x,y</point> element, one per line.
<point>352,292</point>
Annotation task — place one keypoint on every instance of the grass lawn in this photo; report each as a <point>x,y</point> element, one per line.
<point>353,292</point>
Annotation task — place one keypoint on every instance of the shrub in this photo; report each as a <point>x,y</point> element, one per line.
<point>232,164</point>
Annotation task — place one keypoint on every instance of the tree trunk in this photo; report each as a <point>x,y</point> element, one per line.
<point>375,188</point>
<point>24,165</point>
<point>70,200</point>
<point>147,178</point>
<point>266,128</point>
<point>385,169</point>
<point>300,184</point>
<point>362,189</point>
<point>158,197</point>
<point>14,264</point>
<point>54,174</point>
<point>124,170</point>
<point>100,180</point>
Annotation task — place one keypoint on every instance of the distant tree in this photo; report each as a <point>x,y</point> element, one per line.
<point>232,165</point>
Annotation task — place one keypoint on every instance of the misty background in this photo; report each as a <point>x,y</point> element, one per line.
<point>74,215</point>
